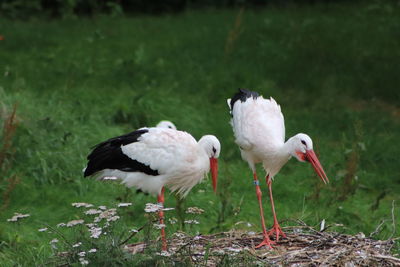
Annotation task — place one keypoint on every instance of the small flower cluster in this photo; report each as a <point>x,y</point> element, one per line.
<point>17,216</point>
<point>192,222</point>
<point>151,208</point>
<point>159,226</point>
<point>173,220</point>
<point>96,221</point>
<point>194,210</point>
<point>109,215</point>
<point>124,205</point>
<point>82,204</point>
<point>74,222</point>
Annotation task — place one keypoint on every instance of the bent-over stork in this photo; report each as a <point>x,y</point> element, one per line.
<point>153,158</point>
<point>259,130</point>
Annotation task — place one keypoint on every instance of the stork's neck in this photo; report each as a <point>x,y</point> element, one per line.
<point>279,158</point>
<point>289,148</point>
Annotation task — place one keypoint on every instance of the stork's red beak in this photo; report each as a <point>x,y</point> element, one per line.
<point>214,172</point>
<point>312,158</point>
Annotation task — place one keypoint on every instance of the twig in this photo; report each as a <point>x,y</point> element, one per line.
<point>377,229</point>
<point>396,260</point>
<point>134,233</point>
<point>393,221</point>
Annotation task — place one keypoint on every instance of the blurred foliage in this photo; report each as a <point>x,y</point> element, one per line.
<point>23,9</point>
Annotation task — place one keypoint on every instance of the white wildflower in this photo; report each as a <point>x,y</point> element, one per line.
<point>172,220</point>
<point>159,226</point>
<point>55,240</point>
<point>102,207</point>
<point>105,215</point>
<point>74,222</point>
<point>17,216</point>
<point>82,254</point>
<point>81,204</point>
<point>192,222</point>
<point>93,250</point>
<point>164,253</point>
<point>43,229</point>
<point>134,231</point>
<point>61,225</point>
<point>95,232</point>
<point>197,237</point>
<point>83,261</point>
<point>53,243</point>
<point>77,245</point>
<point>113,218</point>
<point>92,212</point>
<point>179,235</point>
<point>150,207</point>
<point>194,210</point>
<point>124,205</point>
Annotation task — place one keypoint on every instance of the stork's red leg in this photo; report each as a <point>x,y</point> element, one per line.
<point>266,242</point>
<point>275,228</point>
<point>160,200</point>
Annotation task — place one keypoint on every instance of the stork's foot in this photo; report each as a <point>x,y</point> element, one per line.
<point>266,242</point>
<point>277,230</point>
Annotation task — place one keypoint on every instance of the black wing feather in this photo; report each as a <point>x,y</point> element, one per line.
<point>108,155</point>
<point>242,95</point>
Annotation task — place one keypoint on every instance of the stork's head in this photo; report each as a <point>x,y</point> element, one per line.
<point>302,149</point>
<point>212,147</point>
<point>166,124</point>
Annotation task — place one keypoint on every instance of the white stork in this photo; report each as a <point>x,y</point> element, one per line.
<point>259,130</point>
<point>153,158</point>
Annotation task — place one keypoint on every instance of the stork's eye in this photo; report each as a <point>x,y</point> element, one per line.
<point>170,127</point>
<point>303,142</point>
<point>214,150</point>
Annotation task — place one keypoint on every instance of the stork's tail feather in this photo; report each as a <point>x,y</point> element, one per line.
<point>242,95</point>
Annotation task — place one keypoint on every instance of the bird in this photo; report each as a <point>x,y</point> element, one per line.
<point>166,124</point>
<point>151,159</point>
<point>259,131</point>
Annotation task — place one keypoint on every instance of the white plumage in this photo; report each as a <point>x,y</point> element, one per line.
<point>166,124</point>
<point>181,161</point>
<point>259,130</point>
<point>153,158</point>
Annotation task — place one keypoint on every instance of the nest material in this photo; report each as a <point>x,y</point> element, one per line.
<point>303,246</point>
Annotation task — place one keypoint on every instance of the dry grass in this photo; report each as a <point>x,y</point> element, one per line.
<point>6,155</point>
<point>234,33</point>
<point>304,246</point>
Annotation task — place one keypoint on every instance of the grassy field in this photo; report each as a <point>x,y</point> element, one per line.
<point>334,70</point>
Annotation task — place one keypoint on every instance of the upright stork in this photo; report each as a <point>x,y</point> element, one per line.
<point>259,130</point>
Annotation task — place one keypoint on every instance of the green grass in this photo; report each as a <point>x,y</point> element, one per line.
<point>334,70</point>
